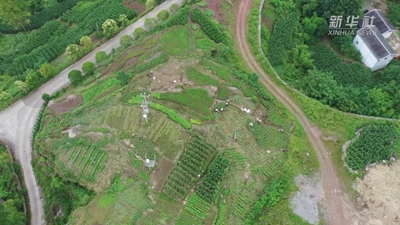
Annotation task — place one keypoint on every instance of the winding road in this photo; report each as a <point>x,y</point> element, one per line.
<point>17,121</point>
<point>339,206</point>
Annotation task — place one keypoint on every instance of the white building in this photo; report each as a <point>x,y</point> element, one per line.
<point>372,41</point>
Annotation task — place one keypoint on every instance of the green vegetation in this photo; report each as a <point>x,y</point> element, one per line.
<point>197,207</point>
<point>273,192</point>
<point>194,98</point>
<point>210,28</point>
<point>216,171</point>
<point>200,78</point>
<point>375,143</point>
<point>12,209</point>
<point>88,68</point>
<point>101,56</point>
<point>193,161</point>
<point>75,76</point>
<point>173,115</point>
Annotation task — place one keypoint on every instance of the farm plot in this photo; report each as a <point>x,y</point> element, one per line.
<point>196,209</point>
<point>194,98</point>
<point>84,161</point>
<point>166,135</point>
<point>191,165</point>
<point>123,203</point>
<point>241,205</point>
<point>268,165</point>
<point>269,137</point>
<point>275,118</point>
<point>208,188</point>
<point>199,77</point>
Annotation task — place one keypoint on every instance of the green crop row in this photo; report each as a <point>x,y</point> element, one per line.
<point>209,186</point>
<point>210,28</point>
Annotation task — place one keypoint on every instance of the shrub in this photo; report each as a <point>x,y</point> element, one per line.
<point>88,68</point>
<point>125,41</point>
<point>101,56</point>
<point>110,28</point>
<point>5,99</point>
<point>150,23</point>
<point>22,86</point>
<point>47,70</point>
<point>162,15</point>
<point>46,97</point>
<point>75,76</point>
<point>138,32</point>
<point>87,43</point>
<point>174,8</point>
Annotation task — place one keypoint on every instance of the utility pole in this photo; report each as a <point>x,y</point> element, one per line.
<point>145,106</point>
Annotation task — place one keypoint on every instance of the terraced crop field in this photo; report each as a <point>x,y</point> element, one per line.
<point>82,160</point>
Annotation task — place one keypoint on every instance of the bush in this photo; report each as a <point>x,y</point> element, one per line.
<point>47,70</point>
<point>150,23</point>
<point>75,76</point>
<point>125,41</point>
<point>88,68</point>
<point>174,8</point>
<point>101,56</point>
<point>179,18</point>
<point>110,28</point>
<point>46,97</point>
<point>162,15</point>
<point>138,32</point>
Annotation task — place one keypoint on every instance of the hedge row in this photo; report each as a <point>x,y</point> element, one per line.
<point>210,28</point>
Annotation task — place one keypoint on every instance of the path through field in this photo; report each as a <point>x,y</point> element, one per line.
<point>17,121</point>
<point>339,206</point>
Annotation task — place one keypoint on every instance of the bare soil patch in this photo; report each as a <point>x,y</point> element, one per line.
<point>70,103</point>
<point>215,6</point>
<point>169,76</point>
<point>135,5</point>
<point>160,174</point>
<point>380,196</point>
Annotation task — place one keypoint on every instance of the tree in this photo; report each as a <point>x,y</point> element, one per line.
<point>5,99</point>
<point>110,28</point>
<point>301,58</point>
<point>150,4</point>
<point>149,23</point>
<point>121,76</point>
<point>322,86</point>
<point>315,26</point>
<point>9,214</point>
<point>22,86</point>
<point>101,56</point>
<point>86,43</point>
<point>163,15</point>
<point>174,8</point>
<point>138,32</point>
<point>15,12</point>
<point>380,103</point>
<point>123,20</point>
<point>74,51</point>
<point>125,41</point>
<point>394,14</point>
<point>32,78</point>
<point>47,70</point>
<point>75,76</point>
<point>88,68</point>
<point>345,8</point>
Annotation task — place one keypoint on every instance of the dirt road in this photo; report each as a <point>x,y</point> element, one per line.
<point>339,206</point>
<point>17,121</point>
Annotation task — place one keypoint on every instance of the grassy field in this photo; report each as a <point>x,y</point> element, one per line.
<point>111,139</point>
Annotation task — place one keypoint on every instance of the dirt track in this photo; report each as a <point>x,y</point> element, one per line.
<point>339,206</point>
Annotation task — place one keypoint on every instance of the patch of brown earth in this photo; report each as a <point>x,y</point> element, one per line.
<point>380,196</point>
<point>160,174</point>
<point>135,5</point>
<point>168,77</point>
<point>70,103</point>
<point>215,6</point>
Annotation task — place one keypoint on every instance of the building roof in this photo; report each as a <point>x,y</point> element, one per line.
<point>380,20</point>
<point>150,163</point>
<point>375,41</point>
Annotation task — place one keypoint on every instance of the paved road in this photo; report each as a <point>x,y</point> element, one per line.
<point>16,122</point>
<point>339,206</point>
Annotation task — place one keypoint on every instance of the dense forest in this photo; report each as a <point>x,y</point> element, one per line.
<point>328,68</point>
<point>11,202</point>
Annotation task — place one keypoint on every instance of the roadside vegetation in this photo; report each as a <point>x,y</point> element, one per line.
<point>210,166</point>
<point>12,191</point>
<point>45,37</point>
